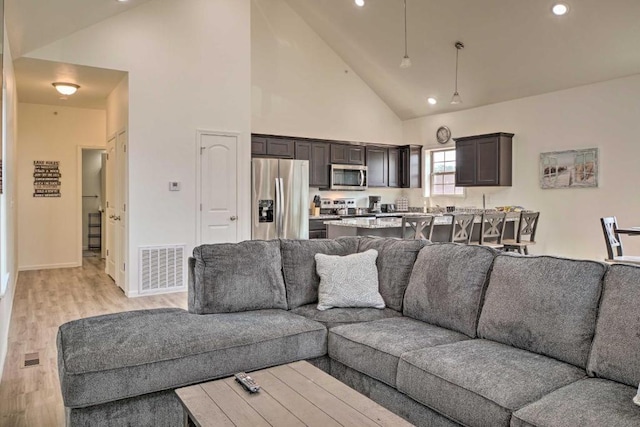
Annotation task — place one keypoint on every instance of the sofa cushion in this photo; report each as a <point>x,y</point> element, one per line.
<point>543,304</point>
<point>586,403</point>
<point>479,382</point>
<point>447,285</point>
<point>615,353</point>
<point>231,277</point>
<point>395,263</point>
<point>374,348</point>
<point>299,265</point>
<point>116,356</point>
<point>348,281</point>
<point>344,316</point>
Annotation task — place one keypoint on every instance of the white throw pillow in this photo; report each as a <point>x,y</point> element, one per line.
<point>348,281</point>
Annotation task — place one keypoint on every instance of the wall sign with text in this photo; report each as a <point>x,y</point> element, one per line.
<point>46,178</point>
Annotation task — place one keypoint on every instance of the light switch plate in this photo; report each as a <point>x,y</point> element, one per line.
<point>174,186</point>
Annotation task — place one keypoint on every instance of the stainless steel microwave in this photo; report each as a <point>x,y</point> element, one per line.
<point>348,177</point>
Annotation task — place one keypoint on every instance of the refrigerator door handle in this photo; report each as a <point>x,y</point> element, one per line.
<point>281,207</point>
<point>277,207</point>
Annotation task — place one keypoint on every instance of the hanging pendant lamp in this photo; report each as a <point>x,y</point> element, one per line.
<point>406,61</point>
<point>457,99</point>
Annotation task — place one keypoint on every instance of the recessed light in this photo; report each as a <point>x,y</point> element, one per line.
<point>360,3</point>
<point>431,100</point>
<point>560,9</point>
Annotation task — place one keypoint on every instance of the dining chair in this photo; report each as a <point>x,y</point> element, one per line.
<point>525,233</point>
<point>491,229</point>
<point>417,227</point>
<point>613,242</point>
<point>461,228</point>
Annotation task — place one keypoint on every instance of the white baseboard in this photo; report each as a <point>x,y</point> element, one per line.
<point>137,294</point>
<point>49,266</point>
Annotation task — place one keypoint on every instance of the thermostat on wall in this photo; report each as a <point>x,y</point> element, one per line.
<point>174,186</point>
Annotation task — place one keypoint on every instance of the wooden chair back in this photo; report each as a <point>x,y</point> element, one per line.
<point>417,227</point>
<point>492,228</point>
<point>611,237</point>
<point>461,228</point>
<point>527,227</point>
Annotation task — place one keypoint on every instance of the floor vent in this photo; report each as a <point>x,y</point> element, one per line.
<point>161,267</point>
<point>31,359</point>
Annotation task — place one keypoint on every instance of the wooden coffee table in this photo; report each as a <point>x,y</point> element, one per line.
<point>297,394</point>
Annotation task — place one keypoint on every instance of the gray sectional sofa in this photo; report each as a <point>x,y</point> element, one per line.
<point>469,336</point>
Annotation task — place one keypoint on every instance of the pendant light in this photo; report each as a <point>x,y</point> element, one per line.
<point>406,61</point>
<point>457,99</point>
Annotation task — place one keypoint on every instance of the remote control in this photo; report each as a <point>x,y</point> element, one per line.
<point>247,382</point>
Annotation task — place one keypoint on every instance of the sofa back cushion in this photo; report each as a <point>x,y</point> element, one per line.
<point>615,353</point>
<point>447,285</point>
<point>543,304</point>
<point>231,277</point>
<point>299,265</point>
<point>395,263</point>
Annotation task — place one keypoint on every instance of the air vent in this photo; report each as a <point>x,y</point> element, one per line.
<point>161,268</point>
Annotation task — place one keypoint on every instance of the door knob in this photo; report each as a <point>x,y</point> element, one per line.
<point>233,218</point>
<point>116,218</point>
<point>112,216</point>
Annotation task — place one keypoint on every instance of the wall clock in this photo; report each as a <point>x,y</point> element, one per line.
<point>443,134</point>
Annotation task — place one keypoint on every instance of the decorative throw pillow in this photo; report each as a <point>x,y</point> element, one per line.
<point>348,281</point>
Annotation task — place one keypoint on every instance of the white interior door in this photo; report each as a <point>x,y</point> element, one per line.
<point>110,199</point>
<point>121,209</point>
<point>218,219</point>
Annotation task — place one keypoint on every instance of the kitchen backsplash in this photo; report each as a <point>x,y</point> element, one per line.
<point>388,195</point>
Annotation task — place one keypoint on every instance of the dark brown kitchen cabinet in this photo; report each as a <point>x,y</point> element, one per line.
<point>272,147</point>
<point>410,166</point>
<point>394,167</point>
<point>317,229</point>
<point>377,166</point>
<point>318,155</point>
<point>484,160</point>
<point>347,154</point>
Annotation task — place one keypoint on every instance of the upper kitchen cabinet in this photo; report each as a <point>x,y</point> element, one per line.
<point>484,160</point>
<point>377,166</point>
<point>318,155</point>
<point>347,154</point>
<point>272,147</point>
<point>409,166</point>
<point>394,167</point>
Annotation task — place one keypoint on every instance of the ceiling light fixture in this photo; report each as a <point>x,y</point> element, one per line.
<point>66,88</point>
<point>560,9</point>
<point>431,100</point>
<point>406,61</point>
<point>457,99</point>
<point>359,3</point>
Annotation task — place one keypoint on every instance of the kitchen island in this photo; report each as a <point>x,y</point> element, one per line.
<point>392,227</point>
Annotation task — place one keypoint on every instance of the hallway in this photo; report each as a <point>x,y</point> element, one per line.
<point>45,299</point>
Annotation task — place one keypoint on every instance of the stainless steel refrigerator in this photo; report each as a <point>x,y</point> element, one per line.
<point>280,199</point>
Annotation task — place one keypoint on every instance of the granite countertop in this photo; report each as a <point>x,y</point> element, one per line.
<point>440,219</point>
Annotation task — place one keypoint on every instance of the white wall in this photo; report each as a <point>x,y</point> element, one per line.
<point>8,199</point>
<point>301,87</point>
<point>118,108</point>
<point>49,227</point>
<point>91,186</point>
<point>604,115</point>
<point>189,68</point>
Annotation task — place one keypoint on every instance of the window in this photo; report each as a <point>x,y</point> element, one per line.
<point>442,175</point>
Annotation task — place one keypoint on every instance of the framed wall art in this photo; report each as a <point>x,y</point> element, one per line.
<point>569,169</point>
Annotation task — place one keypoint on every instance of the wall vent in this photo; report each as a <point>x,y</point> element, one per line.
<point>161,268</point>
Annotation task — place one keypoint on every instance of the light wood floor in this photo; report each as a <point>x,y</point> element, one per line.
<point>43,301</point>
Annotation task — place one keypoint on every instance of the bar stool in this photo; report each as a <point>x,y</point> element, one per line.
<point>491,229</point>
<point>525,234</point>
<point>417,227</point>
<point>461,228</point>
<point>613,242</point>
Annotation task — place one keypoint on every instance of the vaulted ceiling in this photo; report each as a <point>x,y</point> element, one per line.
<point>514,48</point>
